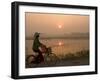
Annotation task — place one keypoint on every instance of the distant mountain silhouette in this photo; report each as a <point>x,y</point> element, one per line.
<point>65,35</point>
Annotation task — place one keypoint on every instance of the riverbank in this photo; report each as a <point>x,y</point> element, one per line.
<point>70,59</point>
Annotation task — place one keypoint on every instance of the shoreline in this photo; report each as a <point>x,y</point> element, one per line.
<point>71,59</point>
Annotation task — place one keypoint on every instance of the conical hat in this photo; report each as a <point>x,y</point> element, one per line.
<point>36,34</point>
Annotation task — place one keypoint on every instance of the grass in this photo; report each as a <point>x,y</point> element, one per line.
<point>69,59</point>
<point>77,55</point>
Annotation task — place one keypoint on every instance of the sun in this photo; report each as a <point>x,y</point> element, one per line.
<point>59,26</point>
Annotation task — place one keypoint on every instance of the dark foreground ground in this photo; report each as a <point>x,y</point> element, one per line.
<point>69,62</point>
<point>72,59</point>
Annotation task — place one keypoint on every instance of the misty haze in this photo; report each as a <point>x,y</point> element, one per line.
<point>67,35</point>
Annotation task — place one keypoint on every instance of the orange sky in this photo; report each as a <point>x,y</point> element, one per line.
<point>55,23</point>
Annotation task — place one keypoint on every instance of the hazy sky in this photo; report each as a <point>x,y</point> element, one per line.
<point>55,23</point>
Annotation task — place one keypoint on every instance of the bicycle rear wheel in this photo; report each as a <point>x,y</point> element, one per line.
<point>30,59</point>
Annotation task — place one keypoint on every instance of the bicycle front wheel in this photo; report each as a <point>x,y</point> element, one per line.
<point>51,59</point>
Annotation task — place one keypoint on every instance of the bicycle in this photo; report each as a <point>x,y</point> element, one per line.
<point>49,58</point>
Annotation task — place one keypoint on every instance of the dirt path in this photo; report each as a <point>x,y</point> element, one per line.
<point>69,62</point>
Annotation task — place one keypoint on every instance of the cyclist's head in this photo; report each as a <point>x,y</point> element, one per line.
<point>36,34</point>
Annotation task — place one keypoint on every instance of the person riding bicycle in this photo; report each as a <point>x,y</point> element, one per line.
<point>37,48</point>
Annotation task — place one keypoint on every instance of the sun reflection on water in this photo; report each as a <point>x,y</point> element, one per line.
<point>60,43</point>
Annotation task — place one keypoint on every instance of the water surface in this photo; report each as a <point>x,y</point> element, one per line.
<point>61,46</point>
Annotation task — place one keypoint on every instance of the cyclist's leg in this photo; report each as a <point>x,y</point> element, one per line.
<point>40,56</point>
